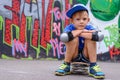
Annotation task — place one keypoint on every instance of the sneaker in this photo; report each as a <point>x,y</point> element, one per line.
<point>64,69</point>
<point>96,72</point>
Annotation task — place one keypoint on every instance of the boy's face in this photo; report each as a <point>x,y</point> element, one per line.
<point>80,19</point>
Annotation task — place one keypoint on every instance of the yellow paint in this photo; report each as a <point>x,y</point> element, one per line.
<point>34,1</point>
<point>110,0</point>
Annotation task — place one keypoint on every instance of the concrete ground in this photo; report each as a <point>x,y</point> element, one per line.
<point>44,70</point>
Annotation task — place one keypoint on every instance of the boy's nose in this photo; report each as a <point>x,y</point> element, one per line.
<point>81,21</point>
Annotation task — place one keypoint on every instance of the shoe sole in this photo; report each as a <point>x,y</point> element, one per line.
<point>97,77</point>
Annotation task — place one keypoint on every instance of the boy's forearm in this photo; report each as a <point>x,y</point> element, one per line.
<point>92,35</point>
<point>86,35</point>
<point>76,33</point>
<point>68,36</point>
<point>83,33</point>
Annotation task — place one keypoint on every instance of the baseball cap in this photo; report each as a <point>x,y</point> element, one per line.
<point>75,8</point>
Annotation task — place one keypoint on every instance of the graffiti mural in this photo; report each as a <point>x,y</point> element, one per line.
<point>30,29</point>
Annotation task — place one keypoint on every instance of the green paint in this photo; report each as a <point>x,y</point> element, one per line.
<point>52,59</point>
<point>119,22</point>
<point>17,31</point>
<point>6,57</point>
<point>82,1</point>
<point>29,58</point>
<point>119,30</point>
<point>113,38</point>
<point>37,50</point>
<point>48,48</point>
<point>1,22</point>
<point>12,58</point>
<point>29,22</point>
<point>71,2</point>
<point>105,9</point>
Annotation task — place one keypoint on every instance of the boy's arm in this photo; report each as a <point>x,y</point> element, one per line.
<point>87,34</point>
<point>92,35</point>
<point>70,35</point>
<point>76,33</point>
<point>83,33</point>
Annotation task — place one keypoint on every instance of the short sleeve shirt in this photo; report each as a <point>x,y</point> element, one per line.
<point>81,39</point>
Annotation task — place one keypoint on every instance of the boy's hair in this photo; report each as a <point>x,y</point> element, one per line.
<point>76,8</point>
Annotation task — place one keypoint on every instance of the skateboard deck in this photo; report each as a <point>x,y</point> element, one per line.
<point>79,68</point>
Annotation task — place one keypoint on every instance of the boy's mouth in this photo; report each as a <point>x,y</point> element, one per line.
<point>81,26</point>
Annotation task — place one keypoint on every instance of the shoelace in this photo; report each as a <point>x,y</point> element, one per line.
<point>63,66</point>
<point>97,68</point>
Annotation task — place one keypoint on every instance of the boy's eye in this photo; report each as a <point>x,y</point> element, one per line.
<point>77,19</point>
<point>84,18</point>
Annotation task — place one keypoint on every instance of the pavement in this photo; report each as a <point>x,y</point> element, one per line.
<point>44,70</point>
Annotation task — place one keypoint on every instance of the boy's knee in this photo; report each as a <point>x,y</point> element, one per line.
<point>89,41</point>
<point>73,42</point>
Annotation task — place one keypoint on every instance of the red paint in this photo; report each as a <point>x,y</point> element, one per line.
<point>23,29</point>
<point>114,51</point>
<point>7,37</point>
<point>48,22</point>
<point>28,1</point>
<point>35,33</point>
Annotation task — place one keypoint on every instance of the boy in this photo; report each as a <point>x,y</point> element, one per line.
<point>80,41</point>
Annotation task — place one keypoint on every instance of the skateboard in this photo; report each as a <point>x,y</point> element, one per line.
<point>79,68</point>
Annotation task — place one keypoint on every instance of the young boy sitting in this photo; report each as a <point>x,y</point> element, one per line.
<point>80,42</point>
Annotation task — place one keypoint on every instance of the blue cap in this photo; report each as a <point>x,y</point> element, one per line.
<point>75,8</point>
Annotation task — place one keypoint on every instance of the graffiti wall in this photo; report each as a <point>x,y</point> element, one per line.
<point>30,29</point>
